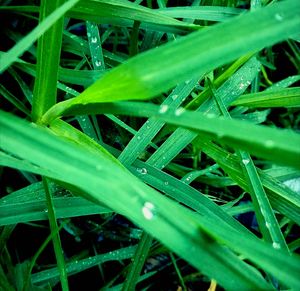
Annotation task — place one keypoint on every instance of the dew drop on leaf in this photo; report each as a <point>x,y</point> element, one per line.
<point>163,108</point>
<point>276,245</point>
<point>245,161</point>
<point>142,171</point>
<point>148,210</point>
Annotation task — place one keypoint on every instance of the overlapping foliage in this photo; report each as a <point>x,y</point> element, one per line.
<point>200,97</point>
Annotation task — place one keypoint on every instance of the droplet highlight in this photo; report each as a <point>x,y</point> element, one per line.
<point>148,210</point>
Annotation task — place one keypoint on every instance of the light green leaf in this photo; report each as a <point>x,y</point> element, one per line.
<point>289,97</point>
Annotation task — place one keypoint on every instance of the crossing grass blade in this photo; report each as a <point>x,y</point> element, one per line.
<point>210,13</point>
<point>137,263</point>
<point>94,10</point>
<point>13,100</point>
<point>265,216</point>
<point>56,238</point>
<point>29,204</point>
<point>289,97</point>
<point>262,141</point>
<point>84,264</point>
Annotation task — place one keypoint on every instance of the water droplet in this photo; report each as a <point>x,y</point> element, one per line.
<point>187,81</point>
<point>268,225</point>
<point>210,115</point>
<point>278,17</point>
<point>269,143</point>
<point>246,161</point>
<point>179,111</point>
<point>98,63</point>
<point>163,108</point>
<point>88,34</point>
<point>148,210</point>
<point>276,245</point>
<point>138,137</point>
<point>46,210</point>
<point>174,97</point>
<point>166,183</point>
<point>94,39</point>
<point>142,171</point>
<point>98,167</point>
<point>242,85</point>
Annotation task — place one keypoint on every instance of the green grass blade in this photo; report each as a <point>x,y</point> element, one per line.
<point>137,263</point>
<point>24,87</point>
<point>151,73</point>
<point>262,141</point>
<point>13,100</point>
<point>210,13</point>
<point>56,238</point>
<point>289,97</point>
<point>116,9</point>
<point>48,58</point>
<point>284,83</point>
<point>95,46</point>
<point>11,56</point>
<point>264,213</point>
<point>28,204</point>
<point>36,256</point>
<point>84,264</point>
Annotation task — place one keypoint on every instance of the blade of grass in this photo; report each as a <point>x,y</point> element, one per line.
<point>48,58</point>
<point>26,284</point>
<point>84,264</point>
<point>178,272</point>
<point>11,56</point>
<point>56,239</point>
<point>118,9</point>
<point>137,264</point>
<point>262,141</point>
<point>210,13</point>
<point>289,97</point>
<point>265,216</point>
<point>28,204</point>
<point>95,46</point>
<point>13,100</point>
